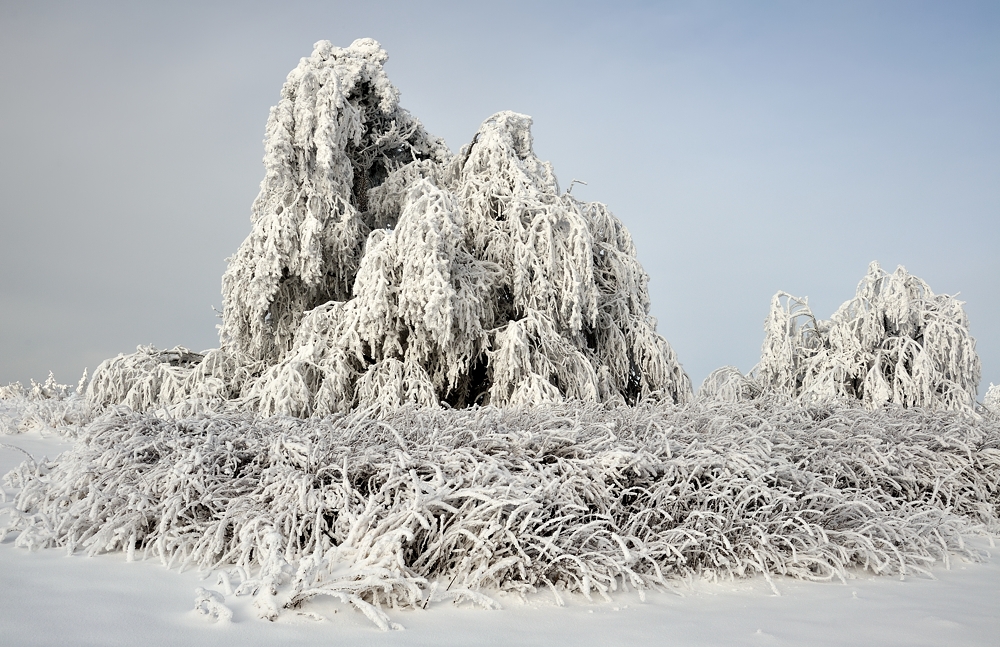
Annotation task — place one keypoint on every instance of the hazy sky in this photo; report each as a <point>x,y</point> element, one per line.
<point>749,147</point>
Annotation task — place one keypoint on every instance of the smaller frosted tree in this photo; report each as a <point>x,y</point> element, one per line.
<point>992,400</point>
<point>894,342</point>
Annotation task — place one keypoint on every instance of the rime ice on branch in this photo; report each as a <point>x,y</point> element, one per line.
<point>382,270</point>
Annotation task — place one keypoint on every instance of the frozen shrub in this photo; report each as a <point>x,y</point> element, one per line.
<point>729,385</point>
<point>178,379</point>
<point>50,405</point>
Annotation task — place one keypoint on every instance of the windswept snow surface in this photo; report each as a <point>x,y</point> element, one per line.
<point>49,598</point>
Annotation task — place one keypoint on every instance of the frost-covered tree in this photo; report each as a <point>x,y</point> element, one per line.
<point>383,270</point>
<point>992,399</point>
<point>895,341</point>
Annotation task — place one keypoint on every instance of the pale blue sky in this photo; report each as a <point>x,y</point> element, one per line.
<point>749,148</point>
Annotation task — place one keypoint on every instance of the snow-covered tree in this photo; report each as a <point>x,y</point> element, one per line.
<point>337,131</point>
<point>382,270</point>
<point>992,399</point>
<point>895,341</point>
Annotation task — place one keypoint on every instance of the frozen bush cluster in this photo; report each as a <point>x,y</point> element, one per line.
<point>46,406</point>
<point>382,270</point>
<point>426,504</point>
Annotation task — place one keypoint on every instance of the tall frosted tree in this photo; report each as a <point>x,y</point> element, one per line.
<point>337,132</point>
<point>382,270</point>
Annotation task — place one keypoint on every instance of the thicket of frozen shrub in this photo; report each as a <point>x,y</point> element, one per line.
<point>428,503</point>
<point>46,406</point>
<point>895,342</point>
<point>382,270</point>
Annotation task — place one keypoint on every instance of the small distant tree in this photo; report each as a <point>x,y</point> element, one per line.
<point>728,384</point>
<point>895,341</point>
<point>991,402</point>
<point>382,270</point>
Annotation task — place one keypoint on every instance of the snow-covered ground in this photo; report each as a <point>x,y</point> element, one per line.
<point>49,598</point>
